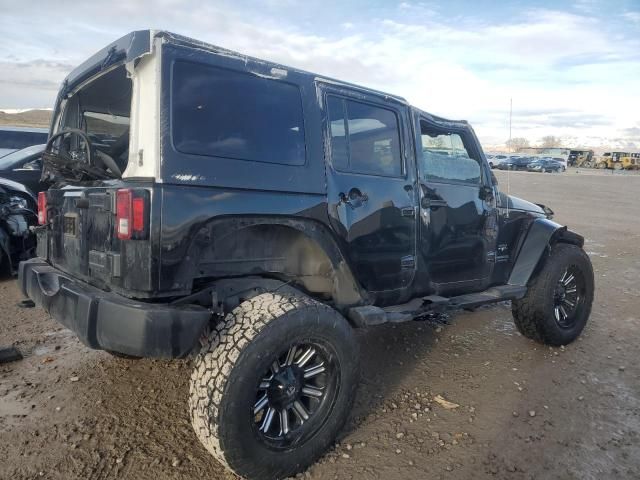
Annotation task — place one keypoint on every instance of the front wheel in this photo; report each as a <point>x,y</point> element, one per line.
<point>558,302</point>
<point>274,384</point>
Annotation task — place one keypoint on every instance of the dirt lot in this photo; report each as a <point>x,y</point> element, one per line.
<point>525,411</point>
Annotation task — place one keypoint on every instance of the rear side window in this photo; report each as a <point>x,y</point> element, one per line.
<point>364,138</point>
<point>225,113</point>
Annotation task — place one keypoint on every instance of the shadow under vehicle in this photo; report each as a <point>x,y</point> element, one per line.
<point>204,194</point>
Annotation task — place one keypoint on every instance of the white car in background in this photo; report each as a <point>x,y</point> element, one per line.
<point>496,159</point>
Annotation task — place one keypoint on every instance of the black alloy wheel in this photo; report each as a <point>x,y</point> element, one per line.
<point>274,384</point>
<point>568,297</point>
<point>295,393</point>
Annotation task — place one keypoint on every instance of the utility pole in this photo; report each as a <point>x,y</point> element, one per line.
<point>510,116</point>
<point>508,169</point>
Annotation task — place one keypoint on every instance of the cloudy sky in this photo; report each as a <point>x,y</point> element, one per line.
<point>572,68</point>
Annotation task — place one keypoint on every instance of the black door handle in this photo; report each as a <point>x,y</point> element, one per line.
<point>433,203</point>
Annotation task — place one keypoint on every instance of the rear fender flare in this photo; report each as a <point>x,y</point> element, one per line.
<point>541,236</point>
<point>224,244</point>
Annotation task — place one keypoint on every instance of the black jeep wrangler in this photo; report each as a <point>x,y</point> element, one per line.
<point>205,195</point>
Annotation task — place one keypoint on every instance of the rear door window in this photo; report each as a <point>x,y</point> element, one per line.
<point>225,113</point>
<point>365,138</point>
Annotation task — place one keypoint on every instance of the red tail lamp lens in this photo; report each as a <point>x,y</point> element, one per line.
<point>123,214</point>
<point>42,208</point>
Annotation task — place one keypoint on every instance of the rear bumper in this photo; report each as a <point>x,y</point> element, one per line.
<point>108,321</point>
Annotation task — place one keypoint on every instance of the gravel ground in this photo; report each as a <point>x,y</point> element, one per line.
<point>524,411</point>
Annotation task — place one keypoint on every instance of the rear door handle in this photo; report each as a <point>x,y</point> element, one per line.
<point>434,203</point>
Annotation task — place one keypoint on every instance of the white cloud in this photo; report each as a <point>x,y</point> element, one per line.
<point>546,60</point>
<point>633,16</point>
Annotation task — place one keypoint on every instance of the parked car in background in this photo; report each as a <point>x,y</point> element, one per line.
<point>496,159</point>
<point>18,206</point>
<point>24,166</point>
<point>515,162</point>
<point>16,138</point>
<point>546,165</point>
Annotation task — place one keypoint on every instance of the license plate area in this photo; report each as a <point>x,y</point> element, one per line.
<point>70,224</point>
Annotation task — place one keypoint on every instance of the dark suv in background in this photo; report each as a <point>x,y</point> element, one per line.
<point>266,211</point>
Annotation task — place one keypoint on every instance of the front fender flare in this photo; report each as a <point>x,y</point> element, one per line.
<point>542,234</point>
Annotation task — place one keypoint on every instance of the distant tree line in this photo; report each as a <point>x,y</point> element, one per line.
<point>549,141</point>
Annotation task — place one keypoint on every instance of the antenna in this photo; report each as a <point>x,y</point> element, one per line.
<point>510,147</point>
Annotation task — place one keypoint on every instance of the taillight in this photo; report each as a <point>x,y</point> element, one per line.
<point>123,214</point>
<point>42,208</point>
<point>131,214</point>
<point>138,205</point>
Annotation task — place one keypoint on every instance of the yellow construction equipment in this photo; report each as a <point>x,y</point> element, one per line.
<point>618,161</point>
<point>602,161</point>
<point>581,158</point>
<point>630,161</point>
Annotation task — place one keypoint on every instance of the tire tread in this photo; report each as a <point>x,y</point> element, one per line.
<point>529,312</point>
<point>221,350</point>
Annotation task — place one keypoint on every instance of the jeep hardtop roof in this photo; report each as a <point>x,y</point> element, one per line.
<point>139,43</point>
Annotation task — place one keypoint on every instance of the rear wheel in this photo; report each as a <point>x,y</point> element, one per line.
<point>558,302</point>
<point>274,384</point>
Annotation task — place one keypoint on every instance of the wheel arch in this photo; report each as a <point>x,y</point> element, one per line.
<point>301,251</point>
<point>536,247</point>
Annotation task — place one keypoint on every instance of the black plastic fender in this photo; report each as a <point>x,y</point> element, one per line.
<point>235,246</point>
<point>542,234</point>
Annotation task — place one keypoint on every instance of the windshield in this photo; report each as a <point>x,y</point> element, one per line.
<point>16,158</point>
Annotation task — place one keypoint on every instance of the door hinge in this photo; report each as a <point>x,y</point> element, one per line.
<point>408,261</point>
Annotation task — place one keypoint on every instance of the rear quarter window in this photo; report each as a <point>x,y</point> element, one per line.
<point>216,112</point>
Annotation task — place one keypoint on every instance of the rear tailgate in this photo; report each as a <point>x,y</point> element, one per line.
<point>83,242</point>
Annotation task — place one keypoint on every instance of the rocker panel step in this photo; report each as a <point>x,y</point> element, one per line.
<point>369,315</point>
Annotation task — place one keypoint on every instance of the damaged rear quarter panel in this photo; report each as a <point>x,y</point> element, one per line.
<point>207,233</point>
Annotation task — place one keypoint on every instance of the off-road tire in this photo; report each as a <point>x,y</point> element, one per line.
<point>222,386</point>
<point>534,314</point>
